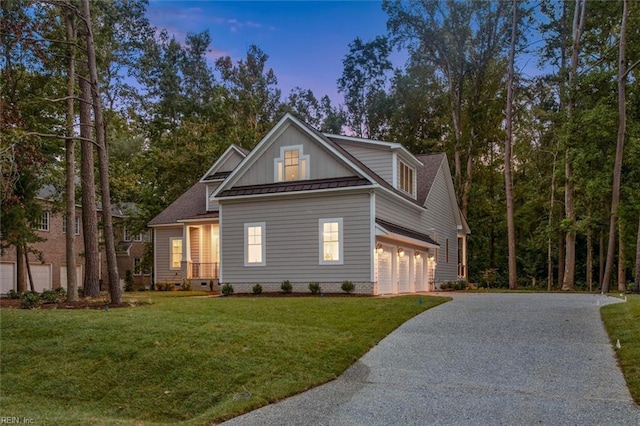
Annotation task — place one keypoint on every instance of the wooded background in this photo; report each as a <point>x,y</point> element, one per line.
<point>546,166</point>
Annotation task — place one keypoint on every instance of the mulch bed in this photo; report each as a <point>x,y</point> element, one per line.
<point>80,304</point>
<point>293,294</point>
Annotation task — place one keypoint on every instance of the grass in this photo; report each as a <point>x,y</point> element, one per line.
<point>187,360</point>
<point>622,321</point>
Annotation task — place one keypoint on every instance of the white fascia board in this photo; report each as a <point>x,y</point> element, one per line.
<point>381,232</point>
<point>224,157</point>
<point>204,220</point>
<point>165,225</point>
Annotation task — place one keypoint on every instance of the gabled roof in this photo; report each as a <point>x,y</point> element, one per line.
<point>390,146</point>
<point>427,173</point>
<point>213,173</point>
<point>392,228</point>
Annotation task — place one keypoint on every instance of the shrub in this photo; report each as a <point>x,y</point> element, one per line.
<point>62,293</point>
<point>29,300</point>
<point>164,286</point>
<point>128,281</point>
<point>257,289</point>
<point>49,296</point>
<point>314,287</point>
<point>286,286</point>
<point>186,285</point>
<point>227,289</point>
<point>347,286</point>
<point>490,276</point>
<point>13,294</point>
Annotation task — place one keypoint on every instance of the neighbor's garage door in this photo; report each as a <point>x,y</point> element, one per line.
<point>41,277</point>
<point>63,276</point>
<point>385,271</point>
<point>420,276</point>
<point>7,277</point>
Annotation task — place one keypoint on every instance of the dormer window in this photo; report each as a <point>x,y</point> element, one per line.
<point>291,165</point>
<point>407,179</point>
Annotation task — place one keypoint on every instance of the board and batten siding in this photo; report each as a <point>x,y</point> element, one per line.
<point>321,163</point>
<point>440,215</point>
<point>378,160</point>
<point>292,240</point>
<point>163,271</point>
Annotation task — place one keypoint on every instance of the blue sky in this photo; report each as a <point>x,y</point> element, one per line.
<point>306,40</point>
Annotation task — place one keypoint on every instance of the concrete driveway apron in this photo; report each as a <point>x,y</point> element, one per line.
<point>481,359</point>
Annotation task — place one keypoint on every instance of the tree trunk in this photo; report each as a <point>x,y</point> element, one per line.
<point>28,267</point>
<point>72,283</point>
<point>551,213</point>
<point>617,166</point>
<point>21,277</point>
<point>560,259</point>
<point>590,259</point>
<point>579,19</point>
<point>513,276</point>
<point>103,160</point>
<point>89,212</point>
<point>601,259</point>
<point>622,273</point>
<point>636,287</point>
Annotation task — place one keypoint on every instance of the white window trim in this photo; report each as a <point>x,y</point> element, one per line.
<point>76,225</point>
<point>263,234</point>
<point>46,220</point>
<point>171,240</point>
<point>137,270</point>
<point>278,164</point>
<point>321,260</point>
<point>413,183</point>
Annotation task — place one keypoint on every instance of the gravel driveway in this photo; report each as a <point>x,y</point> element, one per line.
<point>482,359</point>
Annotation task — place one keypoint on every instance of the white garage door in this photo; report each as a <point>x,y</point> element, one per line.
<point>41,277</point>
<point>7,277</point>
<point>385,271</point>
<point>420,276</point>
<point>63,276</point>
<point>404,272</point>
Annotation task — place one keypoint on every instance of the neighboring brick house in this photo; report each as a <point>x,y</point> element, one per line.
<point>51,271</point>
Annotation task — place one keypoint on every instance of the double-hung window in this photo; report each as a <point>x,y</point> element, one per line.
<point>292,164</point>
<point>176,252</point>
<point>76,225</point>
<point>254,244</point>
<point>407,179</point>
<point>330,241</point>
<point>43,223</point>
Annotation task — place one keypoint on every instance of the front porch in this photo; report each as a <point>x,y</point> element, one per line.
<point>201,257</point>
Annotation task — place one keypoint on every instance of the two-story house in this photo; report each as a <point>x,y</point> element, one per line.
<point>305,206</point>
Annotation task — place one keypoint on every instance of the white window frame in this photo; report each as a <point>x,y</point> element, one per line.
<point>263,243</point>
<point>43,224</point>
<point>76,225</point>
<point>137,270</point>
<point>402,166</point>
<point>303,164</point>
<point>321,242</point>
<point>125,234</point>
<point>171,240</point>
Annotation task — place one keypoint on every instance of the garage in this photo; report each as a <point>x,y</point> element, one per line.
<point>63,276</point>
<point>8,274</point>
<point>385,270</point>
<point>404,270</point>
<point>41,277</point>
<point>419,272</point>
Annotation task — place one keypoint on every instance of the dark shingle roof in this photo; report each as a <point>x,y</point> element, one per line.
<point>302,185</point>
<point>427,173</point>
<point>190,204</point>
<point>217,175</point>
<point>400,230</point>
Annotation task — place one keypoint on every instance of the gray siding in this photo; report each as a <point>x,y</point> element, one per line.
<point>440,215</point>
<point>378,160</point>
<point>163,256</point>
<point>230,163</point>
<point>321,163</point>
<point>292,240</point>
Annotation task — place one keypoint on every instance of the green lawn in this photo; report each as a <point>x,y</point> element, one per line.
<point>191,360</point>
<point>622,321</point>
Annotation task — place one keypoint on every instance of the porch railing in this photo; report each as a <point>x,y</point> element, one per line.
<point>204,270</point>
<point>462,270</point>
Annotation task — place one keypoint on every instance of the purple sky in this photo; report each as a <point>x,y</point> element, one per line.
<point>306,40</point>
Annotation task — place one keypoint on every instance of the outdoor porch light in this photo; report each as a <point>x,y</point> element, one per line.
<point>400,252</point>
<point>379,248</point>
<point>417,255</point>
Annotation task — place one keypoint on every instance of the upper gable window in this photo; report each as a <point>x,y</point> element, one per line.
<point>407,179</point>
<point>291,165</point>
